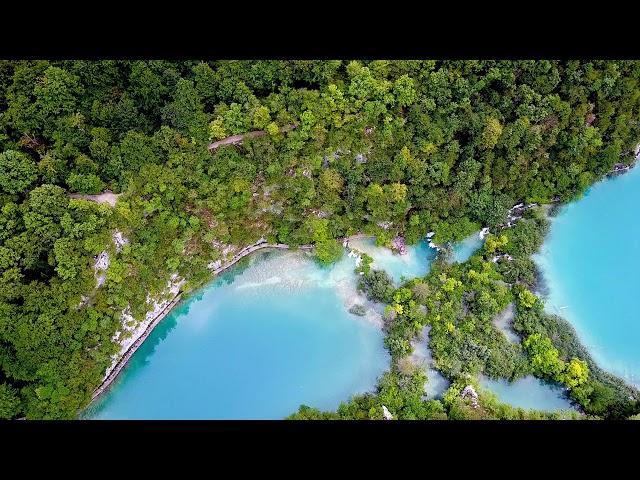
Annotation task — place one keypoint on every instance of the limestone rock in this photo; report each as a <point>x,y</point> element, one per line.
<point>386,413</point>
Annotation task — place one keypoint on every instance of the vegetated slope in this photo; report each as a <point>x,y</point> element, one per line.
<point>382,147</point>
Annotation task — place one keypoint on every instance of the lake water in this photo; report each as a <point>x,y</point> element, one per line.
<point>529,393</point>
<point>261,340</point>
<point>256,343</point>
<point>591,266</point>
<point>436,383</point>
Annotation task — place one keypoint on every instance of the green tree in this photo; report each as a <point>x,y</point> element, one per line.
<point>544,357</point>
<point>17,171</point>
<point>186,112</point>
<point>57,93</point>
<point>9,402</point>
<point>261,117</point>
<point>491,133</point>
<point>404,90</point>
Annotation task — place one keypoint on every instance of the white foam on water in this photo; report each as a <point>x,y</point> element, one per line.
<point>289,271</point>
<point>269,281</point>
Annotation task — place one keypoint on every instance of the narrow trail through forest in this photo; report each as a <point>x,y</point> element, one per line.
<point>237,139</point>
<point>104,197</point>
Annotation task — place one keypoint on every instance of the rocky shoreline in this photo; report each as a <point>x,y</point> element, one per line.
<point>124,359</point>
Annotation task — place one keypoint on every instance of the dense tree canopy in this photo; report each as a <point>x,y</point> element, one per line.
<point>381,147</point>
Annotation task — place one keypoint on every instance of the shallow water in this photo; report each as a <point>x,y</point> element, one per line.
<point>591,267</point>
<point>504,322</point>
<point>463,250</point>
<point>529,393</point>
<point>436,383</point>
<point>417,261</point>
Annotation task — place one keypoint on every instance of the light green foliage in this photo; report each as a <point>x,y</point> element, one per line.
<point>217,130</point>
<point>545,361</point>
<point>575,373</point>
<point>261,117</point>
<point>493,243</point>
<point>491,133</point>
<point>543,355</point>
<point>272,129</point>
<point>526,298</point>
<point>404,90</point>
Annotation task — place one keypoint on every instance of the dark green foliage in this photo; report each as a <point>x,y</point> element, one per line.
<point>9,402</point>
<point>17,171</point>
<point>377,285</point>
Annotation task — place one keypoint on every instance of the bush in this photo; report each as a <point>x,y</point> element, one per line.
<point>377,285</point>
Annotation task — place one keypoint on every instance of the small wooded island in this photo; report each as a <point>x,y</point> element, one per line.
<point>127,185</point>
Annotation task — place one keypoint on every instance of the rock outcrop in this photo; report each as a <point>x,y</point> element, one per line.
<point>101,264</point>
<point>119,240</point>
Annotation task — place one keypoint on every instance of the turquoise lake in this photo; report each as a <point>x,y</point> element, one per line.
<point>255,344</point>
<point>528,393</point>
<point>263,339</point>
<point>591,267</point>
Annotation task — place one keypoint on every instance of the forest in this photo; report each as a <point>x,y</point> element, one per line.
<point>380,147</point>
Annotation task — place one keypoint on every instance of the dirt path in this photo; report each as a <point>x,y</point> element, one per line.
<point>237,139</point>
<point>104,197</point>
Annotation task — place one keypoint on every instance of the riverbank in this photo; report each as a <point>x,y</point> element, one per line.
<point>252,330</point>
<point>120,363</point>
<point>582,283</point>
